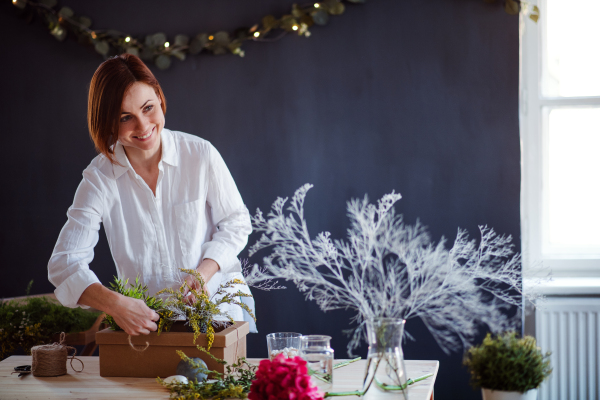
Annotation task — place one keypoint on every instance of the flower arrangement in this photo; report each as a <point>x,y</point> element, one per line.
<point>506,362</point>
<point>390,269</point>
<point>34,320</point>
<point>283,378</point>
<point>202,316</point>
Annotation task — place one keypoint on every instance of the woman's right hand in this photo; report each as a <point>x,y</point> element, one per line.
<point>134,316</point>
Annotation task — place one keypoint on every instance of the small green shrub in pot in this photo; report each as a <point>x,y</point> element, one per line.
<point>507,363</point>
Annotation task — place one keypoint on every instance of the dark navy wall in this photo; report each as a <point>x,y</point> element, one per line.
<point>419,97</point>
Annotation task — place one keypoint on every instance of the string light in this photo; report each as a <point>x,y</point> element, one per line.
<point>104,44</point>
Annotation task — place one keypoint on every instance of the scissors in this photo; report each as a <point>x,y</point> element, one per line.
<point>22,370</point>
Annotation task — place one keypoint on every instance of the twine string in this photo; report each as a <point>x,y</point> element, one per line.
<point>51,359</point>
<point>135,348</point>
<point>74,358</point>
<point>236,345</point>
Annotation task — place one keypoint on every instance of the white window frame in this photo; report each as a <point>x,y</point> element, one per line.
<point>533,147</point>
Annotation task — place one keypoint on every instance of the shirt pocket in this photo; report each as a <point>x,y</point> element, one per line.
<point>191,226</point>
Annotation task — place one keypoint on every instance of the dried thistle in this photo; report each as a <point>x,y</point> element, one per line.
<point>387,268</point>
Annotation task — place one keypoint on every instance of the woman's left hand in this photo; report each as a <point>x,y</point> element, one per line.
<point>206,269</point>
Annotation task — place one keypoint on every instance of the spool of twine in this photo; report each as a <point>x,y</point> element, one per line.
<point>51,359</point>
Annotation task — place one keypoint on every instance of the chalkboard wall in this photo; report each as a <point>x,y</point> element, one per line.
<point>420,97</point>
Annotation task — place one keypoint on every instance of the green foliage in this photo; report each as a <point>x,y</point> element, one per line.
<point>201,314</point>
<point>157,48</point>
<point>34,320</point>
<point>137,291</point>
<point>505,362</point>
<point>234,383</point>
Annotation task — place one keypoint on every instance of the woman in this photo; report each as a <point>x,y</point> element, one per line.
<point>166,199</point>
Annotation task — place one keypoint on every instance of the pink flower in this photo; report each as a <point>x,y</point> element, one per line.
<point>285,379</point>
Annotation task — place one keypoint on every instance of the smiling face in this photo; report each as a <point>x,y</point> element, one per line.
<point>141,121</point>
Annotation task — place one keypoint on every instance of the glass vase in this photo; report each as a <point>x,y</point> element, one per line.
<point>317,353</point>
<point>385,370</point>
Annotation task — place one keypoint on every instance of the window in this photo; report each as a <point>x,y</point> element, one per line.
<point>560,133</point>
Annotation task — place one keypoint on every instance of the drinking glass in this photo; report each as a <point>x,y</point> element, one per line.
<point>317,353</point>
<point>287,343</point>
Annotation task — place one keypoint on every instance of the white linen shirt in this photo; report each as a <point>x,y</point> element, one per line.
<point>197,213</point>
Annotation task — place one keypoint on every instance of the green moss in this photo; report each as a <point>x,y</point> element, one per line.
<point>505,362</point>
<point>34,320</point>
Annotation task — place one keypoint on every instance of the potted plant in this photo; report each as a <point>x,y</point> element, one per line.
<point>507,367</point>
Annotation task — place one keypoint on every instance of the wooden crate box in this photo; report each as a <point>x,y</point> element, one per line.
<point>160,359</point>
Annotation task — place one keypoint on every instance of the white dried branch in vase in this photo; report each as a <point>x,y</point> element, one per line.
<point>387,268</point>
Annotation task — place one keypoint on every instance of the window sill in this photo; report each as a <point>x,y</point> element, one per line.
<point>566,286</point>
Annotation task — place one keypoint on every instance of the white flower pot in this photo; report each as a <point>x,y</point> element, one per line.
<point>489,394</point>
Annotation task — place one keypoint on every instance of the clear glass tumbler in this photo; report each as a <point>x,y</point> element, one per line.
<point>287,343</point>
<point>317,353</point>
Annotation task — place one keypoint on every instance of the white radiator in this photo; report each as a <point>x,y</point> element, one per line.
<point>570,329</point>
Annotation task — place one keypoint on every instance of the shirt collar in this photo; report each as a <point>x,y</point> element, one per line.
<point>169,154</point>
<point>169,151</point>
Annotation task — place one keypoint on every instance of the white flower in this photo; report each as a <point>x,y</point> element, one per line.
<point>389,269</point>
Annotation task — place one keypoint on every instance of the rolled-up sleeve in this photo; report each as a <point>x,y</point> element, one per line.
<point>68,269</point>
<point>229,214</point>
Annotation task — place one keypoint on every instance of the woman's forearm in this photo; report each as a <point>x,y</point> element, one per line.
<point>100,298</point>
<point>132,315</point>
<point>208,268</point>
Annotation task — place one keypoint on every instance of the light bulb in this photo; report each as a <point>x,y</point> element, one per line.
<point>256,34</point>
<point>211,37</point>
<point>127,39</point>
<point>317,5</point>
<point>167,44</point>
<point>295,27</point>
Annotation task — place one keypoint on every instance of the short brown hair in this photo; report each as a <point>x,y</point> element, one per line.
<point>107,89</point>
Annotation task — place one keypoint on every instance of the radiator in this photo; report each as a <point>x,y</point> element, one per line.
<point>570,328</point>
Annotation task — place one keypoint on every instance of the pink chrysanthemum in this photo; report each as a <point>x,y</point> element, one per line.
<point>283,379</point>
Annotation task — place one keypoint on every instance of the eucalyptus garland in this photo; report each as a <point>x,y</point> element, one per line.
<point>157,48</point>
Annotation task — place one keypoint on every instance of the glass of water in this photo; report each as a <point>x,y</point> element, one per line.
<point>287,343</point>
<point>317,353</point>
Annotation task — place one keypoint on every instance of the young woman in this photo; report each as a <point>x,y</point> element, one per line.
<point>166,199</point>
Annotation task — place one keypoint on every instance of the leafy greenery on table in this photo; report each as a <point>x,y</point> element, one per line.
<point>34,320</point>
<point>234,383</point>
